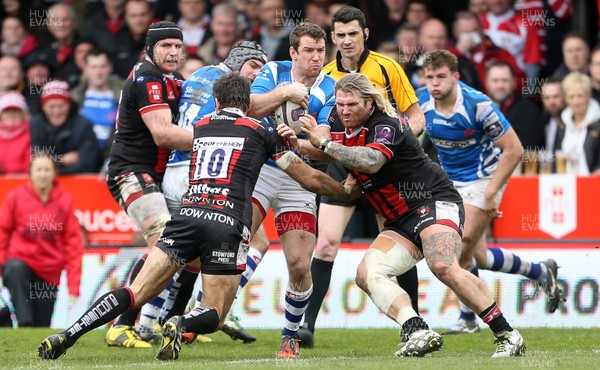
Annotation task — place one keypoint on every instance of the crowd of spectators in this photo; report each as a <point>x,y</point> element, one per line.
<point>514,51</point>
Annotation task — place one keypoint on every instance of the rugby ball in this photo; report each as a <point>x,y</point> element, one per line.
<point>289,113</point>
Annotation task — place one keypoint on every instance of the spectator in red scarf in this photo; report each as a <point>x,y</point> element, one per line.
<point>61,25</point>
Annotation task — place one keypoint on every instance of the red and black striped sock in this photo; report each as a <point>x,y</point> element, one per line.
<point>494,318</point>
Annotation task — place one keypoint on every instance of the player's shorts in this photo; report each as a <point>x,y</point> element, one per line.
<point>175,184</point>
<point>417,219</point>
<point>338,173</point>
<point>139,194</point>
<point>275,189</point>
<point>474,193</point>
<point>221,241</point>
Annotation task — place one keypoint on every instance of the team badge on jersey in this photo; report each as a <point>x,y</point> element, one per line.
<point>384,134</point>
<point>423,211</point>
<point>493,130</point>
<point>154,92</point>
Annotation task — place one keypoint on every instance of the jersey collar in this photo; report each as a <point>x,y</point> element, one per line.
<point>363,57</point>
<point>233,111</point>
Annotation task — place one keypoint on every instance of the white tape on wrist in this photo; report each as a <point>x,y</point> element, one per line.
<point>348,189</point>
<point>285,160</point>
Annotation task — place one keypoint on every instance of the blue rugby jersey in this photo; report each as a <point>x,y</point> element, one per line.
<point>196,102</point>
<point>465,139</point>
<point>321,100</point>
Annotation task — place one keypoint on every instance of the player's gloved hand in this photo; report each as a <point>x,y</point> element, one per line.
<point>353,187</point>
<point>296,93</point>
<point>311,129</point>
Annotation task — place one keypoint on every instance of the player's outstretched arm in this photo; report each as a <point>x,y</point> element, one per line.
<point>165,133</point>
<point>360,158</point>
<point>302,146</point>
<point>316,181</point>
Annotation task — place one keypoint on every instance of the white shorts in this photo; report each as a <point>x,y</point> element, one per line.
<point>474,193</point>
<point>275,189</point>
<point>175,184</point>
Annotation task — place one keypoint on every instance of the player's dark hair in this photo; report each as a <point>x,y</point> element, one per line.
<point>347,15</point>
<point>440,58</point>
<point>232,91</point>
<point>306,29</point>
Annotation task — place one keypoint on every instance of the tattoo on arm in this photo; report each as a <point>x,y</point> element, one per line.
<point>362,159</point>
<point>442,247</point>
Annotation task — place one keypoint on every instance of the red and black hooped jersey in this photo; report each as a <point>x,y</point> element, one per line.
<point>145,90</point>
<point>228,152</point>
<point>408,179</point>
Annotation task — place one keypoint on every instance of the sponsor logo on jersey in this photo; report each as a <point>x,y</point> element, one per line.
<point>450,144</point>
<point>154,92</point>
<point>421,222</point>
<point>218,142</point>
<point>206,189</point>
<point>202,214</point>
<point>423,210</point>
<point>443,122</point>
<point>167,241</point>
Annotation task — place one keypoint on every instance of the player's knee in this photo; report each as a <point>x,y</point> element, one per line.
<point>260,244</point>
<point>379,267</point>
<point>466,260</point>
<point>327,247</point>
<point>374,267</point>
<point>154,225</point>
<point>468,242</point>
<point>299,266</point>
<point>443,271</point>
<point>361,277</point>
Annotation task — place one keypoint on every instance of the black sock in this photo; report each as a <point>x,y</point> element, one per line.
<point>5,319</point>
<point>409,281</point>
<point>129,317</point>
<point>105,309</point>
<point>495,319</point>
<point>185,282</point>
<point>413,324</point>
<point>200,320</point>
<point>321,277</point>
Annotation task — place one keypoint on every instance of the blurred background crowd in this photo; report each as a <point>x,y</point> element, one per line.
<point>62,64</point>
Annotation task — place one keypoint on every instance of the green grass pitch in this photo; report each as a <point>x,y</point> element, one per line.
<point>335,348</point>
